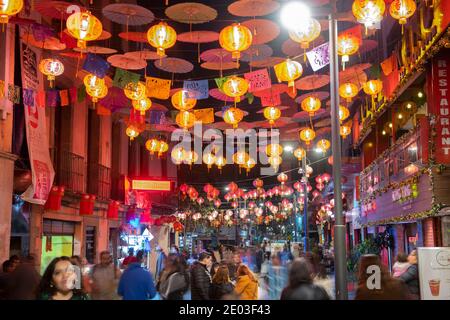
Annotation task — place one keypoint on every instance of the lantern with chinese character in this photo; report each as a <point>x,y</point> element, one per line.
<point>91,80</point>
<point>323,145</point>
<point>272,114</point>
<point>305,32</point>
<point>274,149</point>
<point>345,131</point>
<point>132,131</point>
<point>344,113</point>
<point>142,105</point>
<point>347,45</point>
<point>311,105</point>
<point>401,10</point>
<point>307,135</point>
<point>161,36</point>
<point>289,71</point>
<point>97,93</point>
<point>51,68</point>
<point>152,145</point>
<point>373,87</point>
<point>233,116</point>
<point>235,87</point>
<point>84,27</point>
<point>185,119</point>
<point>9,8</point>
<point>135,90</point>
<point>368,12</point>
<point>235,38</point>
<point>220,162</point>
<point>348,91</point>
<point>181,101</point>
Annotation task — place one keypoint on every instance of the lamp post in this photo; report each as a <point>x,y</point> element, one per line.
<point>305,205</point>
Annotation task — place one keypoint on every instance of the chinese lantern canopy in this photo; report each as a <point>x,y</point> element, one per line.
<point>9,8</point>
<point>311,105</point>
<point>345,131</point>
<point>401,10</point>
<point>235,87</point>
<point>348,91</point>
<point>84,27</point>
<point>182,101</point>
<point>289,71</point>
<point>135,90</point>
<point>235,38</point>
<point>272,114</point>
<point>185,119</point>
<point>307,135</point>
<point>161,36</point>
<point>142,105</point>
<point>299,153</point>
<point>152,145</point>
<point>347,45</point>
<point>51,68</point>
<point>344,113</point>
<point>368,12</point>
<point>233,116</point>
<point>305,32</point>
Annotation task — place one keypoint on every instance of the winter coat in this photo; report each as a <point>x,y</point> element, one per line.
<point>399,268</point>
<point>217,291</point>
<point>305,291</point>
<point>246,288</point>
<point>174,286</point>
<point>200,282</point>
<point>411,278</point>
<point>136,283</point>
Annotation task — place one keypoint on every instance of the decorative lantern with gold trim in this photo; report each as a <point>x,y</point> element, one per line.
<point>345,130</point>
<point>161,36</point>
<point>401,10</point>
<point>344,113</point>
<point>272,114</point>
<point>152,145</point>
<point>323,144</point>
<point>235,38</point>
<point>91,80</point>
<point>163,147</point>
<point>132,131</point>
<point>84,27</point>
<point>142,105</point>
<point>307,135</point>
<point>185,119</point>
<point>347,45</point>
<point>348,91</point>
<point>178,155</point>
<point>97,93</point>
<point>289,71</point>
<point>305,33</point>
<point>274,149</point>
<point>311,105</point>
<point>135,90</point>
<point>373,87</point>
<point>235,87</point>
<point>181,101</point>
<point>299,153</point>
<point>209,159</point>
<point>9,8</point>
<point>368,12</point>
<point>51,68</point>
<point>249,164</point>
<point>233,116</point>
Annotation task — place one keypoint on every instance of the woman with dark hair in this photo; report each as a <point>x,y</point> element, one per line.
<point>246,283</point>
<point>411,276</point>
<point>58,282</point>
<point>221,283</point>
<point>300,285</point>
<point>374,282</point>
<point>175,282</point>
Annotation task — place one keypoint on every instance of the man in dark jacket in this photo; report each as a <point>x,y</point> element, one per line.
<point>136,283</point>
<point>411,276</point>
<point>201,278</point>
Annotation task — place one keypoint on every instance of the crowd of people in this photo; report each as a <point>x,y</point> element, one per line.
<point>220,274</point>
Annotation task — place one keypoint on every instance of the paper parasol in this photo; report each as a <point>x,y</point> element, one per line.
<point>143,55</point>
<point>134,36</point>
<point>303,115</point>
<point>115,99</point>
<point>263,30</point>
<point>253,8</point>
<point>220,113</point>
<point>55,9</point>
<point>191,12</point>
<point>51,43</point>
<point>128,14</point>
<point>158,107</point>
<point>323,123</point>
<point>104,36</point>
<point>201,36</point>
<point>126,63</point>
<point>279,107</point>
<point>216,55</point>
<point>269,62</point>
<point>312,82</point>
<point>293,49</point>
<point>96,50</point>
<point>257,53</point>
<point>220,66</point>
<point>277,88</point>
<point>321,95</point>
<point>174,65</point>
<point>219,95</point>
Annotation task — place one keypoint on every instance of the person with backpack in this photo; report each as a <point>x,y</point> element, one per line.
<point>175,282</point>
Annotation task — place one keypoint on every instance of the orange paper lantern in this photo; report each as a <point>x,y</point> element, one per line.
<point>235,38</point>
<point>84,27</point>
<point>161,36</point>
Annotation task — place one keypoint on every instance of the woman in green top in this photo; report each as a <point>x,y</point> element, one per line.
<point>58,282</point>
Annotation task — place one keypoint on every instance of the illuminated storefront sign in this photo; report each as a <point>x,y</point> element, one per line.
<point>151,185</point>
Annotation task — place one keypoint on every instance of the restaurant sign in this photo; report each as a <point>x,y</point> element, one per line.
<point>405,193</point>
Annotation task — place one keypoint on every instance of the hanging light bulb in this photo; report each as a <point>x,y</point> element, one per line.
<point>272,114</point>
<point>368,12</point>
<point>233,116</point>
<point>84,27</point>
<point>235,87</point>
<point>182,101</point>
<point>51,68</point>
<point>347,45</point>
<point>307,135</point>
<point>235,38</point>
<point>348,91</point>
<point>161,36</point>
<point>311,105</point>
<point>142,105</point>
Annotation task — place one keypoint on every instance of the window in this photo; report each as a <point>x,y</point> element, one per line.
<point>412,152</point>
<point>90,244</point>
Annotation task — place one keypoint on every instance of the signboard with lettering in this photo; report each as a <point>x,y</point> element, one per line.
<point>434,273</point>
<point>151,185</point>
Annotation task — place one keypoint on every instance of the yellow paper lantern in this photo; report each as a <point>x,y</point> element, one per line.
<point>348,91</point>
<point>274,149</point>
<point>347,45</point>
<point>190,157</point>
<point>240,157</point>
<point>249,164</point>
<point>132,131</point>
<point>368,12</point>
<point>9,8</point>
<point>299,153</point>
<point>161,36</point>
<point>97,93</point>
<point>84,27</point>
<point>220,162</point>
<point>142,105</point>
<point>181,101</point>
<point>311,105</point>
<point>178,155</point>
<point>163,147</point>
<point>373,87</point>
<point>272,114</point>
<point>275,161</point>
<point>235,38</point>
<point>91,80</point>
<point>233,116</point>
<point>345,131</point>
<point>185,119</point>
<point>152,145</point>
<point>235,87</point>
<point>135,90</point>
<point>51,68</point>
<point>289,71</point>
<point>209,159</point>
<point>307,135</point>
<point>323,144</point>
<point>344,113</point>
<point>401,10</point>
<point>306,32</point>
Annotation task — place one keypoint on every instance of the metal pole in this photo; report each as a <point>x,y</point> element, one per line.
<point>305,205</point>
<point>295,218</point>
<point>339,227</point>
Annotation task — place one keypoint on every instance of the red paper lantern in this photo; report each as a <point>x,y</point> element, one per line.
<point>184,188</point>
<point>87,204</point>
<point>113,210</point>
<point>232,187</point>
<point>178,226</point>
<point>315,193</point>
<point>208,188</point>
<point>258,183</point>
<point>146,217</point>
<point>54,198</point>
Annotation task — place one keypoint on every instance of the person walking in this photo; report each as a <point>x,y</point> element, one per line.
<point>6,279</point>
<point>105,278</point>
<point>176,280</point>
<point>129,259</point>
<point>411,276</point>
<point>200,277</point>
<point>221,283</point>
<point>25,280</point>
<point>300,284</point>
<point>58,282</point>
<point>234,265</point>
<point>246,284</point>
<point>401,265</point>
<point>136,283</point>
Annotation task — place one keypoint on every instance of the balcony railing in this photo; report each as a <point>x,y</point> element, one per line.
<point>99,182</point>
<point>70,170</point>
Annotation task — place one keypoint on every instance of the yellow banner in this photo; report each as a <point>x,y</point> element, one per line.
<point>206,116</point>
<point>151,185</point>
<point>158,88</point>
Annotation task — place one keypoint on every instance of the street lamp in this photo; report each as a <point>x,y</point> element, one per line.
<point>293,14</point>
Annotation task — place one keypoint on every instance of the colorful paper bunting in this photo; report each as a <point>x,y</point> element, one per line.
<point>271,100</point>
<point>52,98</point>
<point>319,57</point>
<point>158,88</point>
<point>64,98</point>
<point>197,89</point>
<point>123,77</point>
<point>206,116</point>
<point>259,80</point>
<point>96,65</point>
<point>28,97</point>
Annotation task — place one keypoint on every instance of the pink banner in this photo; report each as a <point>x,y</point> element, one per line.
<point>259,80</point>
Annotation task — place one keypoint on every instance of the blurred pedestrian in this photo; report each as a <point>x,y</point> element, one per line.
<point>58,282</point>
<point>25,280</point>
<point>221,283</point>
<point>176,279</point>
<point>387,288</point>
<point>259,258</point>
<point>6,279</point>
<point>136,283</point>
<point>300,285</point>
<point>246,283</point>
<point>411,276</point>
<point>401,265</point>
<point>15,260</point>
<point>234,265</point>
<point>105,278</point>
<point>214,268</point>
<point>323,280</point>
<point>76,261</point>
<point>200,277</point>
<point>129,259</point>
